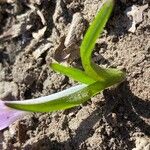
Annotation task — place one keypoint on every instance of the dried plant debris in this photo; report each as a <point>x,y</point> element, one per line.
<point>60,55</point>
<point>41,49</point>
<point>15,31</point>
<point>76,30</point>
<point>18,28</point>
<point>36,39</point>
<point>39,34</point>
<point>61,15</point>
<point>69,47</point>
<point>7,1</point>
<point>22,24</point>
<point>135,14</point>
<point>38,2</point>
<point>38,12</point>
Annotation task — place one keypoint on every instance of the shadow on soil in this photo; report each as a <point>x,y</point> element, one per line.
<point>131,113</point>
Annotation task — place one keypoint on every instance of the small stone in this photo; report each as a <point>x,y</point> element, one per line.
<point>135,13</point>
<point>142,143</point>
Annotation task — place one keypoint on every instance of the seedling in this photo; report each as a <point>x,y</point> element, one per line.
<point>93,78</point>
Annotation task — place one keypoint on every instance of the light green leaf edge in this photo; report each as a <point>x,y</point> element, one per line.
<point>61,100</point>
<point>90,38</point>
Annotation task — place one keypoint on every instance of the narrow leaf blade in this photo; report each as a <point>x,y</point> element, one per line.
<point>91,36</point>
<point>61,100</point>
<point>74,73</point>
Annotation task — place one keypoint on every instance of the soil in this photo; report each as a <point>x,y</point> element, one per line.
<point>33,33</point>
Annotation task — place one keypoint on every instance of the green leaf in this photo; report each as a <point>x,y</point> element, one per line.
<point>74,73</point>
<point>91,36</point>
<point>110,75</point>
<point>61,100</point>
